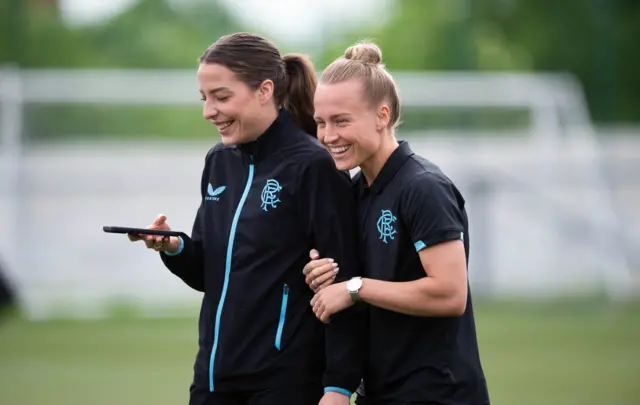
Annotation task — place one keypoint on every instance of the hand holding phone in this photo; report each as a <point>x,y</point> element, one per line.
<point>157,236</point>
<point>137,233</point>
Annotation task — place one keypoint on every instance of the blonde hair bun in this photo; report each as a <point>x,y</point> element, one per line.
<point>365,52</point>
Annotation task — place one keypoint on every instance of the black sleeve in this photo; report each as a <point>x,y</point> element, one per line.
<point>431,209</point>
<point>188,262</point>
<point>328,204</point>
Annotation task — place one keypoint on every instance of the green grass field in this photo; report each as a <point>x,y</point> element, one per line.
<point>553,355</point>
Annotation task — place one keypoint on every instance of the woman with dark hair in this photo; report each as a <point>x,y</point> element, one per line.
<point>270,192</point>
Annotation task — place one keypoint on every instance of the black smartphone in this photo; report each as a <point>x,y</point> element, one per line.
<point>138,231</point>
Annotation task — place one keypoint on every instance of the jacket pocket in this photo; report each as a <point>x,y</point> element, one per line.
<point>283,315</point>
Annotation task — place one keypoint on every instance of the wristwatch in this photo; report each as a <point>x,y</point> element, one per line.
<point>353,287</point>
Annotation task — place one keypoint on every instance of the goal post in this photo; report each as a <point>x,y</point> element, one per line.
<point>547,228</point>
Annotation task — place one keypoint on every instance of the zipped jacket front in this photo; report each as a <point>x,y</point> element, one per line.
<point>264,205</point>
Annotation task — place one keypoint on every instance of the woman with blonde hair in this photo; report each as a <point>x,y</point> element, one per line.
<point>414,244</point>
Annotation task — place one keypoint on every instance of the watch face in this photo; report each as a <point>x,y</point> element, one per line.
<point>354,284</point>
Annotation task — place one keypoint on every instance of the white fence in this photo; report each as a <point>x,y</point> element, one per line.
<point>544,220</point>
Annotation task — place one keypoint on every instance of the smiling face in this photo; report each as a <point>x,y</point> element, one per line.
<point>237,110</point>
<point>349,126</point>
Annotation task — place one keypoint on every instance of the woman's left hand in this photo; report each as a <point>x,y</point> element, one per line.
<point>331,300</point>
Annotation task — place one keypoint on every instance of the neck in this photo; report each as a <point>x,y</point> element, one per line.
<point>372,166</point>
<point>270,116</point>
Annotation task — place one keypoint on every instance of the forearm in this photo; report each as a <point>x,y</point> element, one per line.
<point>424,297</point>
<point>187,263</point>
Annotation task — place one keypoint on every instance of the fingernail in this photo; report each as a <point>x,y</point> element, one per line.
<point>335,265</point>
<point>336,270</point>
<point>330,260</point>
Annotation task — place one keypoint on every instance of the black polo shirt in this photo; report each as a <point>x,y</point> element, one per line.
<point>410,206</point>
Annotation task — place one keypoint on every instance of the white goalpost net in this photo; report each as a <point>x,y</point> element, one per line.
<point>542,219</point>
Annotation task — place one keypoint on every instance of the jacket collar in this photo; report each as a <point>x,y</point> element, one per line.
<point>279,132</point>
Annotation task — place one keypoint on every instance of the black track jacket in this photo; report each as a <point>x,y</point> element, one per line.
<point>265,204</point>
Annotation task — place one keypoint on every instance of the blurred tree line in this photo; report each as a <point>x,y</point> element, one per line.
<point>150,34</point>
<point>594,39</point>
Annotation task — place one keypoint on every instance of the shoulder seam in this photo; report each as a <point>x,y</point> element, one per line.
<point>426,172</point>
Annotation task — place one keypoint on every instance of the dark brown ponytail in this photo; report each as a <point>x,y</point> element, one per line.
<point>301,86</point>
<point>255,59</point>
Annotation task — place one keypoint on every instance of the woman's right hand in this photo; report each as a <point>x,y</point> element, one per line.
<point>158,243</point>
